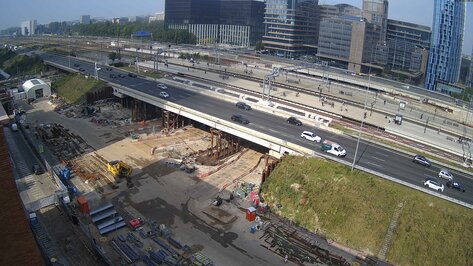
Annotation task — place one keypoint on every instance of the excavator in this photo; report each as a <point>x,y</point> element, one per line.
<point>119,169</point>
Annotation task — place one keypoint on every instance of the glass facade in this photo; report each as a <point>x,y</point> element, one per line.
<point>447,39</point>
<point>291,27</point>
<point>406,45</point>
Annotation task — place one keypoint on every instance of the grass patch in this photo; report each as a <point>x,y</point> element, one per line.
<point>356,208</point>
<point>15,64</point>
<point>148,73</point>
<point>74,87</point>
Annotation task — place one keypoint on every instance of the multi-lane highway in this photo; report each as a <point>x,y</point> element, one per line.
<point>373,157</point>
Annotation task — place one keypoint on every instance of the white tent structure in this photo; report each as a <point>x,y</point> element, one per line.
<point>36,88</point>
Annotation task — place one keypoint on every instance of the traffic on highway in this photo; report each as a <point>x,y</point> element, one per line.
<point>377,158</point>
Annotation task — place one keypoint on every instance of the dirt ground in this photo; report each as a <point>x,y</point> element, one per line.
<point>162,192</point>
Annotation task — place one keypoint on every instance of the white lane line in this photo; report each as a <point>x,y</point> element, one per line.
<point>373,164</point>
<point>382,154</point>
<point>379,159</point>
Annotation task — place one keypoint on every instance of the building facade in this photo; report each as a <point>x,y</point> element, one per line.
<point>376,12</point>
<point>446,43</point>
<point>406,48</point>
<point>469,79</point>
<point>230,22</point>
<point>331,11</point>
<point>291,27</point>
<point>348,41</point>
<point>85,19</point>
<point>28,27</point>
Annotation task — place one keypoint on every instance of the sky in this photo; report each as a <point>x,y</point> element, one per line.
<point>13,12</point>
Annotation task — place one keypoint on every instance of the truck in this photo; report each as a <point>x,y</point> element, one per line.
<point>333,148</point>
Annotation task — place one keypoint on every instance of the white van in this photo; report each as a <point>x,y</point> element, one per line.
<point>333,148</point>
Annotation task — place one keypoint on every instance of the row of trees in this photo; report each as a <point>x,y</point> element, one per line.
<point>108,29</point>
<point>15,64</point>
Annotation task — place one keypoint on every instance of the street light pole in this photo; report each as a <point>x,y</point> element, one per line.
<point>362,120</point>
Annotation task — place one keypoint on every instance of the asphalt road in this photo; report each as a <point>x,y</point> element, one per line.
<point>373,157</point>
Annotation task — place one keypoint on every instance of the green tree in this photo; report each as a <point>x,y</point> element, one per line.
<point>259,46</point>
<point>112,56</point>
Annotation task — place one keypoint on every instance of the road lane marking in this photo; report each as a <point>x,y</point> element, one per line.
<point>373,164</point>
<point>379,159</point>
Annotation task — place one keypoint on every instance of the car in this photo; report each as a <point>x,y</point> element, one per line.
<point>132,75</point>
<point>433,184</point>
<point>311,136</point>
<point>37,170</point>
<point>240,118</point>
<point>455,185</point>
<point>81,69</point>
<point>445,174</point>
<point>164,95</point>
<point>294,121</point>
<point>421,160</point>
<point>121,75</point>
<point>113,76</point>
<point>109,68</point>
<point>162,86</point>
<point>243,106</point>
<point>76,65</point>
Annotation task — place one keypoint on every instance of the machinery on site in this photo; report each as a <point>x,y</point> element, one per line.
<point>120,169</point>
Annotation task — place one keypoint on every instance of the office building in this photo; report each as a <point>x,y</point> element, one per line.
<point>348,41</point>
<point>331,11</point>
<point>291,27</point>
<point>136,19</point>
<point>469,79</point>
<point>406,49</point>
<point>446,43</point>
<point>232,22</point>
<point>85,19</point>
<point>376,12</point>
<point>157,17</point>
<point>28,28</point>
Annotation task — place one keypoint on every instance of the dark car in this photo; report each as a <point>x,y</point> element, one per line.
<point>132,75</point>
<point>421,160</point>
<point>76,65</point>
<point>113,76</point>
<point>294,121</point>
<point>240,118</point>
<point>81,69</point>
<point>121,75</point>
<point>37,170</point>
<point>243,106</point>
<point>456,185</point>
<point>109,68</point>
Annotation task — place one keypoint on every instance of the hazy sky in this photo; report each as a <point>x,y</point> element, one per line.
<point>12,12</point>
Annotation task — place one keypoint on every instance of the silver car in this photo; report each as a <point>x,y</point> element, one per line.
<point>445,174</point>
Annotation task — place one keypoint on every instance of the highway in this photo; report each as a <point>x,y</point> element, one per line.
<point>385,161</point>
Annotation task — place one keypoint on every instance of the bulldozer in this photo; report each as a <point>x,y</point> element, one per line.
<point>119,169</point>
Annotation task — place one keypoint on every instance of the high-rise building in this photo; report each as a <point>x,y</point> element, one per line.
<point>331,11</point>
<point>85,19</point>
<point>376,12</point>
<point>446,44</point>
<point>406,48</point>
<point>469,79</point>
<point>233,22</point>
<point>28,27</point>
<point>291,27</point>
<point>347,41</point>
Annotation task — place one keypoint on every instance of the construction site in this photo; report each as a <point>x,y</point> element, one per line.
<point>167,189</point>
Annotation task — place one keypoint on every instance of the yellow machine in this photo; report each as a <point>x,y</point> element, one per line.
<point>120,169</point>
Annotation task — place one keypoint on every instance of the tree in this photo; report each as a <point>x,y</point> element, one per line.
<point>113,56</point>
<point>259,46</point>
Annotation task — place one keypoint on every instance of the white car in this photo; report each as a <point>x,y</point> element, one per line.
<point>445,174</point>
<point>311,136</point>
<point>433,184</point>
<point>164,95</point>
<point>162,86</point>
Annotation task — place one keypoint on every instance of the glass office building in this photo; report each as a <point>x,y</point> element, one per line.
<point>291,27</point>
<point>446,44</point>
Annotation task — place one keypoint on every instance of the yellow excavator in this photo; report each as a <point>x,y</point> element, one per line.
<point>119,169</point>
